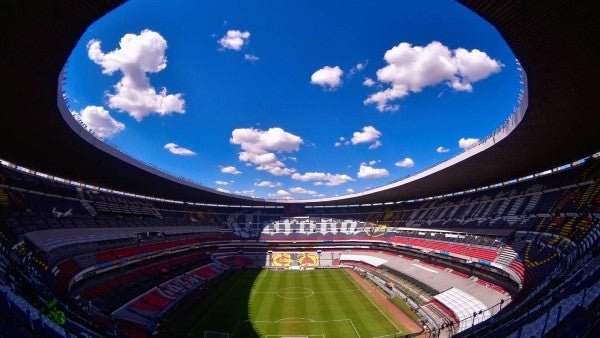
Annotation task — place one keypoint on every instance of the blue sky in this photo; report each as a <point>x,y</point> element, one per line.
<point>292,99</point>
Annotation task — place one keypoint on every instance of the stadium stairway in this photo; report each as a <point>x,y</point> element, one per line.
<point>509,253</point>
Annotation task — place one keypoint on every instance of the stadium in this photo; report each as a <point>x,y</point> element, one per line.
<point>99,244</point>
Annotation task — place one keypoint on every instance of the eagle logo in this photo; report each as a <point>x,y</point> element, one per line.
<point>375,229</point>
<point>377,223</point>
<point>308,259</point>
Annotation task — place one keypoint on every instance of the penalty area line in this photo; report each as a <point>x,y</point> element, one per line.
<point>354,327</point>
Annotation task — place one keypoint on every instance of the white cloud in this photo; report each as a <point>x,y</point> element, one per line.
<point>280,193</point>
<point>230,170</point>
<point>441,149</point>
<point>136,56</point>
<point>222,182</point>
<point>466,143</point>
<point>249,192</point>
<point>349,190</point>
<point>268,184</point>
<point>177,150</point>
<point>260,141</point>
<point>327,77</point>
<point>474,65</point>
<point>264,161</point>
<point>368,135</point>
<point>299,190</point>
<point>223,190</point>
<point>258,146</point>
<point>234,39</point>
<point>368,82</point>
<point>98,120</point>
<point>375,145</point>
<point>251,58</point>
<point>410,69</point>
<point>373,162</point>
<point>358,68</point>
<point>383,97</point>
<point>339,143</point>
<point>366,171</point>
<point>279,171</point>
<point>323,178</point>
<point>405,163</point>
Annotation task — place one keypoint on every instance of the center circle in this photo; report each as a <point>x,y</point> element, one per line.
<point>294,293</point>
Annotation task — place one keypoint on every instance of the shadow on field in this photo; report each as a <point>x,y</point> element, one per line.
<point>222,306</point>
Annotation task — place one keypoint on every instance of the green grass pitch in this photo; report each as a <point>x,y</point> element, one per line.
<point>264,303</point>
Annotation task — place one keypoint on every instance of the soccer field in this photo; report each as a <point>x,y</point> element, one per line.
<point>264,303</point>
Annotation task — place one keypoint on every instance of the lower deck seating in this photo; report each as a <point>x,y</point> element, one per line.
<point>121,285</point>
<point>237,261</point>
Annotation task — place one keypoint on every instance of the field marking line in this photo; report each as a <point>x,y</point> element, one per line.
<point>267,292</point>
<point>236,326</point>
<point>217,332</point>
<point>354,327</point>
<point>286,336</point>
<point>304,320</point>
<point>300,320</point>
<point>303,292</point>
<point>258,282</point>
<point>334,291</point>
<point>328,291</point>
<point>370,300</point>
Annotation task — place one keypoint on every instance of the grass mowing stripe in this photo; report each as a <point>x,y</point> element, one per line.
<point>318,309</point>
<point>367,321</point>
<point>354,308</point>
<point>247,303</point>
<point>349,311</point>
<point>302,306</point>
<point>237,294</point>
<point>231,288</point>
<point>372,302</point>
<point>327,308</point>
<point>294,304</point>
<point>268,307</point>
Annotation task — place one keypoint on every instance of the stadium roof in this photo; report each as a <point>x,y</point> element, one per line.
<point>556,43</point>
